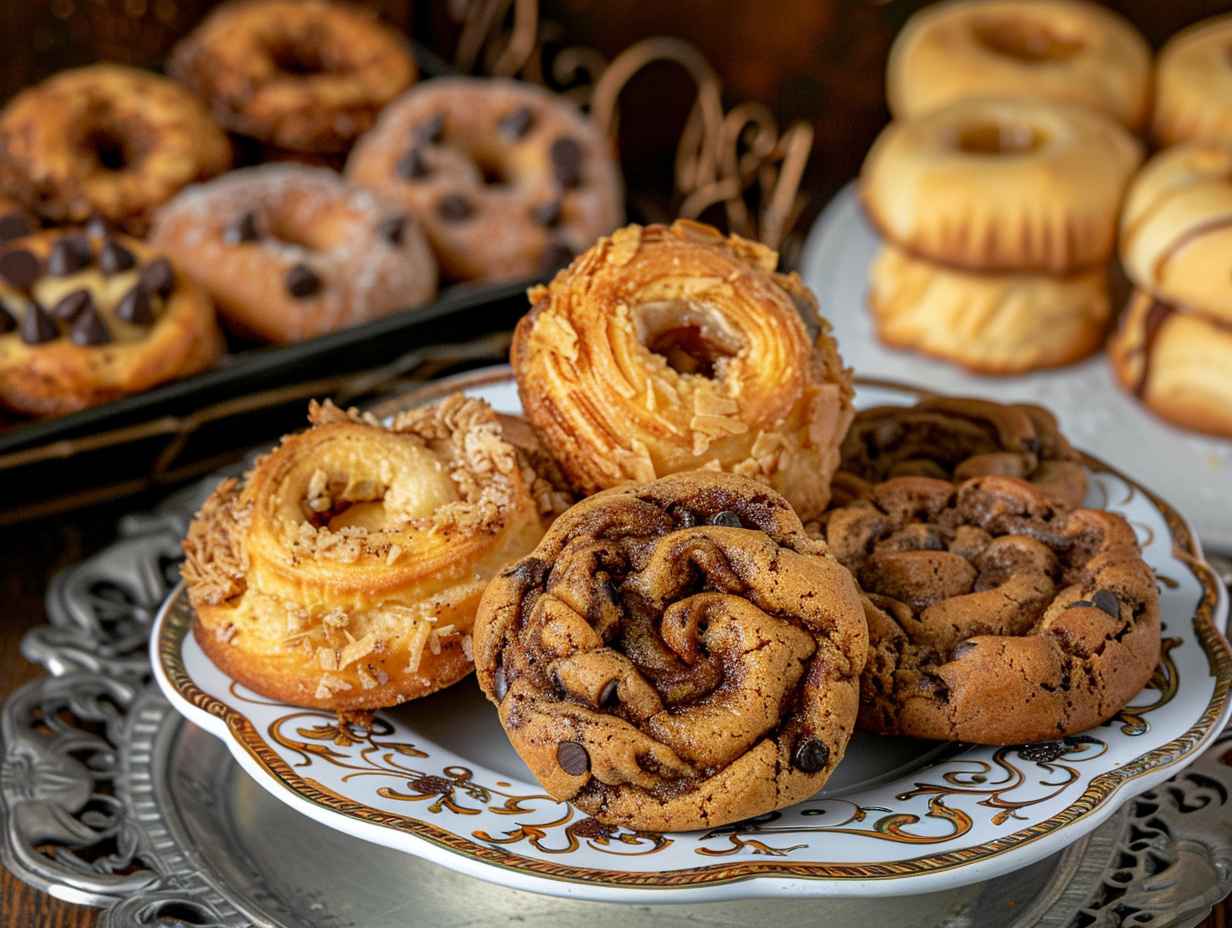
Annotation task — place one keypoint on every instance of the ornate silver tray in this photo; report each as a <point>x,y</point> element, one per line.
<point>108,798</point>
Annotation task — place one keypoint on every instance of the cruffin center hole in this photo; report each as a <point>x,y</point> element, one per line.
<point>112,150</point>
<point>689,336</point>
<point>999,138</point>
<point>1029,41</point>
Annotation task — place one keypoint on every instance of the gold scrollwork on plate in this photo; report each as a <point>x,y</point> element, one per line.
<point>598,837</point>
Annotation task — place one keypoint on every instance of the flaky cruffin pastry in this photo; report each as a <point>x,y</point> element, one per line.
<point>671,348</point>
<point>343,571</point>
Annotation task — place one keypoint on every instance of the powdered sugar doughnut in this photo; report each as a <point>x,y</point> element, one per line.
<point>508,180</point>
<point>291,252</point>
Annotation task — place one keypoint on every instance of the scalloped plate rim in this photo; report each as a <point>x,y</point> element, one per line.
<point>755,885</point>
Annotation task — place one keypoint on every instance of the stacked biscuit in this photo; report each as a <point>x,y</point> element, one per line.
<point>997,188</point>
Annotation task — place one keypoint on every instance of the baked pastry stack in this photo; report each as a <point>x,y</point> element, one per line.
<point>1193,85</point>
<point>1173,348</point>
<point>999,218</point>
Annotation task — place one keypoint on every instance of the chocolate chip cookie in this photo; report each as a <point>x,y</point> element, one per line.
<point>996,614</point>
<point>676,655</point>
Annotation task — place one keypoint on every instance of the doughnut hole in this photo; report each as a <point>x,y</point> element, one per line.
<point>1028,41</point>
<point>691,337</point>
<point>299,59</point>
<point>113,150</point>
<point>998,139</point>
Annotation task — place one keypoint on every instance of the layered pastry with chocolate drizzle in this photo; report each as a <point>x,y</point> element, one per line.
<point>1193,85</point>
<point>88,316</point>
<point>996,614</point>
<point>675,655</point>
<point>956,438</point>
<point>343,571</point>
<point>508,179</point>
<point>1173,349</point>
<point>290,252</point>
<point>672,348</point>
<point>107,141</point>
<point>999,219</point>
<point>1054,50</point>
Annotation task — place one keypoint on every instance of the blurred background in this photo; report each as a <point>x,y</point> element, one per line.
<point>820,60</point>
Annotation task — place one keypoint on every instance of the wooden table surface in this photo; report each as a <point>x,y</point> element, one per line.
<point>32,554</point>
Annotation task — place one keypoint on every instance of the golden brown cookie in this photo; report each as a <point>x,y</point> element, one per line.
<point>675,655</point>
<point>508,179</point>
<point>343,572</point>
<point>290,252</point>
<point>670,348</point>
<point>1001,185</point>
<point>997,615</point>
<point>956,438</point>
<point>86,319</point>
<point>990,323</point>
<point>1177,362</point>
<point>1057,50</point>
<point>303,75</point>
<point>1193,85</point>
<point>106,140</point>
<point>1176,229</point>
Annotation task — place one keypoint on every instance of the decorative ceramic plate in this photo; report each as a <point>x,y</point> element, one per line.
<point>437,779</point>
<point>1193,471</point>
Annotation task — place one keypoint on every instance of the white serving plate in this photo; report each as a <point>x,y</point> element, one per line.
<point>437,779</point>
<point>1193,471</point>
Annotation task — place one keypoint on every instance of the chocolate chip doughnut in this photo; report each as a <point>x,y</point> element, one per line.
<point>1058,50</point>
<point>290,252</point>
<point>956,438</point>
<point>996,615</point>
<point>307,76</point>
<point>86,319</point>
<point>106,140</point>
<point>675,655</point>
<point>508,180</point>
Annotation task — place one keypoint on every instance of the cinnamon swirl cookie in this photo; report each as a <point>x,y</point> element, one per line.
<point>956,438</point>
<point>671,348</point>
<point>675,655</point>
<point>996,614</point>
<point>1000,323</point>
<point>343,572</point>
<point>508,179</point>
<point>1059,50</point>
<point>1001,185</point>
<point>1193,85</point>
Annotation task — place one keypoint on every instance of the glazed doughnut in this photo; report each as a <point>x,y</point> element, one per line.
<point>1001,185</point>
<point>508,180</point>
<point>1176,229</point>
<point>1193,85</point>
<point>290,252</point>
<point>675,655</point>
<point>670,348</point>
<point>303,75</point>
<point>996,323</point>
<point>344,571</point>
<point>1179,363</point>
<point>1057,50</point>
<point>106,140</point>
<point>85,320</point>
<point>997,615</point>
<point>956,438</point>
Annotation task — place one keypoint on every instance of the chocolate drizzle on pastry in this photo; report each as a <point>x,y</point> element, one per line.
<point>1157,314</point>
<point>1187,238</point>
